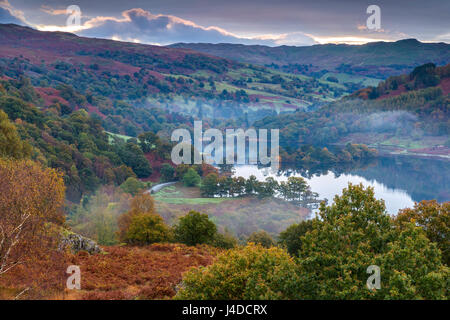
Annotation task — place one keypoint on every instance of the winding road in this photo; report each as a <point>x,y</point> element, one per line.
<point>160,186</point>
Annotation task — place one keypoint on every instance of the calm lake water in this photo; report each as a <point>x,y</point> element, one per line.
<point>400,180</point>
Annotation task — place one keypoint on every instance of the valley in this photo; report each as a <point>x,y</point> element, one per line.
<point>88,176</point>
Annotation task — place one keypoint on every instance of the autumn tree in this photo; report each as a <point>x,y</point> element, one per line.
<point>133,186</point>
<point>31,199</point>
<point>243,273</point>
<point>354,233</point>
<point>262,238</point>
<point>434,219</point>
<point>143,203</point>
<point>147,228</point>
<point>291,237</point>
<point>10,143</point>
<point>225,240</point>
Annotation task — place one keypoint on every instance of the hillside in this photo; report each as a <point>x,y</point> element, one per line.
<point>406,114</point>
<point>177,80</point>
<point>84,133</point>
<point>121,273</point>
<point>376,60</point>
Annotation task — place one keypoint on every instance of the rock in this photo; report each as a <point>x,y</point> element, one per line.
<point>77,243</point>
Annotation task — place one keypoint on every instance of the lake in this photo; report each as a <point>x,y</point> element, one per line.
<point>398,180</point>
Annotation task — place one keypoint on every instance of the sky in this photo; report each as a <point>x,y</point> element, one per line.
<point>273,23</point>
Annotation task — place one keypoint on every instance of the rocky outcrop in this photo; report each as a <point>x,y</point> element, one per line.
<point>76,243</point>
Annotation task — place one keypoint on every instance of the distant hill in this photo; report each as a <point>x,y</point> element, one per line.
<point>179,80</point>
<point>406,114</point>
<point>424,76</point>
<point>376,59</point>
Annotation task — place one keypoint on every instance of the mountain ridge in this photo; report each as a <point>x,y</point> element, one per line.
<point>375,59</point>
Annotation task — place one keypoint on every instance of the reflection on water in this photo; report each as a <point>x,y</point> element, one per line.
<point>400,180</point>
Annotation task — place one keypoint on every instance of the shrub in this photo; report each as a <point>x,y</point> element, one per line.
<point>245,273</point>
<point>140,204</point>
<point>291,237</point>
<point>167,172</point>
<point>434,219</point>
<point>11,145</point>
<point>31,212</point>
<point>225,241</point>
<point>133,186</point>
<point>191,178</point>
<point>209,185</point>
<point>262,238</point>
<point>195,228</point>
<point>147,229</point>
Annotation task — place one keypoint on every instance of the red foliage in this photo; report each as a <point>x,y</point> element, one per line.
<point>50,96</point>
<point>151,272</point>
<point>445,86</point>
<point>157,161</point>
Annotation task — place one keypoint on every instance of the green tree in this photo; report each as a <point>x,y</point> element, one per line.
<point>251,185</point>
<point>434,219</point>
<point>96,216</point>
<point>167,172</point>
<point>133,186</point>
<point>225,240</point>
<point>262,238</point>
<point>149,141</point>
<point>10,143</point>
<point>146,229</point>
<point>209,185</point>
<point>268,188</point>
<point>132,155</point>
<point>191,178</point>
<point>244,273</point>
<point>296,188</point>
<point>356,232</point>
<point>195,228</point>
<point>291,237</point>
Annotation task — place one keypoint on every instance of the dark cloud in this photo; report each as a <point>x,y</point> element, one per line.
<point>288,20</point>
<point>138,24</point>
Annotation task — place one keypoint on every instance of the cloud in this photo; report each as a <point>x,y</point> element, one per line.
<point>53,12</point>
<point>10,15</point>
<point>294,39</point>
<point>444,37</point>
<point>355,40</point>
<point>139,25</point>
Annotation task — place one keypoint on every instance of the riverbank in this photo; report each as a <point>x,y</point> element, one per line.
<point>385,144</point>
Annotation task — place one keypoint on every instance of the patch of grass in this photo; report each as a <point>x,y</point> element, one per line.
<point>344,77</point>
<point>193,201</point>
<point>120,136</point>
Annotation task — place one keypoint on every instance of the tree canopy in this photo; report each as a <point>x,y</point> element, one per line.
<point>354,233</point>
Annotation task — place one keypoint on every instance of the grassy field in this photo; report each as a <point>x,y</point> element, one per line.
<point>116,135</point>
<point>345,77</point>
<point>240,216</point>
<point>181,195</point>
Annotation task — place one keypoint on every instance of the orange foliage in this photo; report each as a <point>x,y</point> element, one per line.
<point>151,272</point>
<point>143,203</point>
<point>31,200</point>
